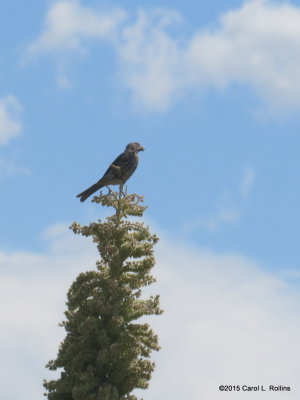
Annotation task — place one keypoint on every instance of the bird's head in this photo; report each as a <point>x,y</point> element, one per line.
<point>134,147</point>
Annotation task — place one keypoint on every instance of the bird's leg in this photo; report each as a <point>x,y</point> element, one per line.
<point>121,190</point>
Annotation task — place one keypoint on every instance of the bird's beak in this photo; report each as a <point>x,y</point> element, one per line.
<point>141,148</point>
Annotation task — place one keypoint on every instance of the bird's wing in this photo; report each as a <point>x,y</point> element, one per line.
<point>121,161</point>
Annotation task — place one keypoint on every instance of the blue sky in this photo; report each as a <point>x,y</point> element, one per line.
<point>212,92</point>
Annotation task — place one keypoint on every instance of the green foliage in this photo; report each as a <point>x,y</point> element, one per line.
<point>105,354</point>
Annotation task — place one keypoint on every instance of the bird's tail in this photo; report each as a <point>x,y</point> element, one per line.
<point>88,192</point>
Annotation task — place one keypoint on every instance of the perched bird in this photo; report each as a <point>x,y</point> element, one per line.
<point>118,172</point>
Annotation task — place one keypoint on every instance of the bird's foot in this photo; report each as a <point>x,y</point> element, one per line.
<point>121,191</point>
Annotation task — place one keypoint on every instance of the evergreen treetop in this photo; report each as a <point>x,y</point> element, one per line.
<point>105,354</point>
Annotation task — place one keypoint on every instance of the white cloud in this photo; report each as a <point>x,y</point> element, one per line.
<point>255,45</point>
<point>151,60</point>
<point>225,215</point>
<point>33,289</point>
<point>9,168</point>
<point>229,209</point>
<point>226,320</point>
<point>10,124</point>
<point>247,181</point>
<point>10,128</point>
<point>68,24</point>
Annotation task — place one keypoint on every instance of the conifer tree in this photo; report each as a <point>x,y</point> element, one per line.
<point>105,354</point>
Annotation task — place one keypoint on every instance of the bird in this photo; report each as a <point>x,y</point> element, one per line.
<point>118,172</point>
